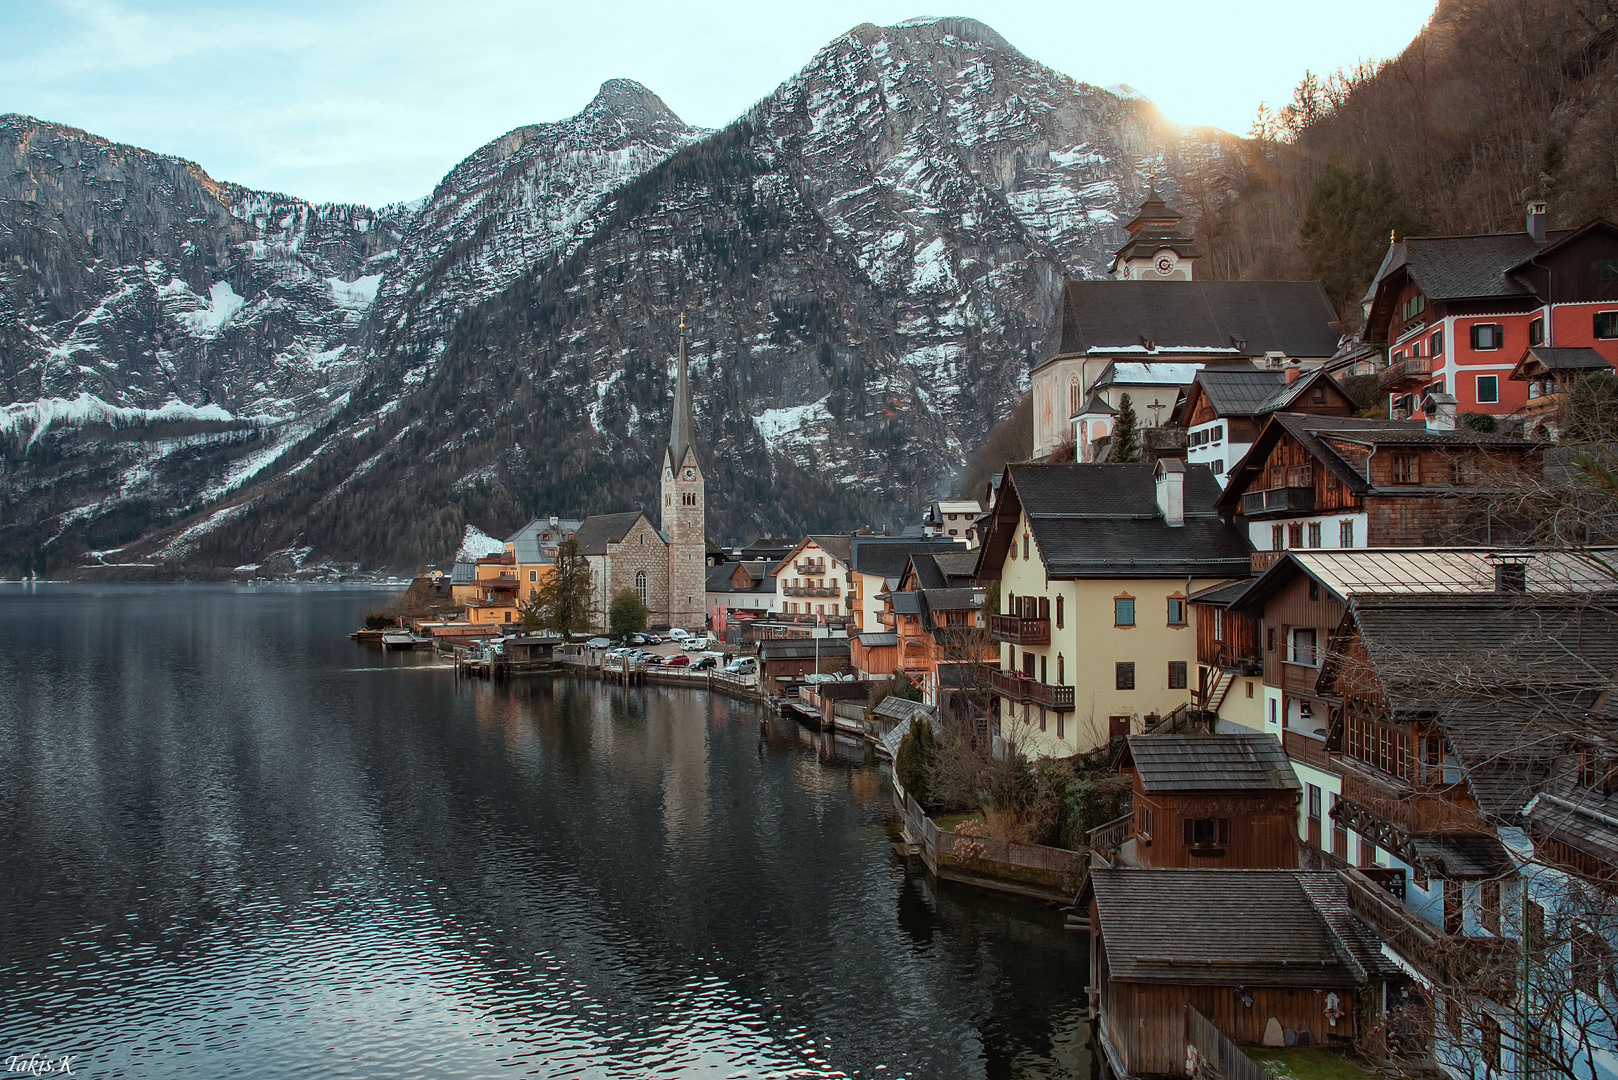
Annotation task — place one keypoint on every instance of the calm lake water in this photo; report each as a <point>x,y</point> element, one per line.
<point>236,843</point>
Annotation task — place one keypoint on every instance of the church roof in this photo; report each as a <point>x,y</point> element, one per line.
<point>599,530</point>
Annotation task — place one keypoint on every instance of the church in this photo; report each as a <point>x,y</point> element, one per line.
<point>664,564</point>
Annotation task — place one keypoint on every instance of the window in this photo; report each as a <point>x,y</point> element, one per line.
<point>1143,823</point>
<point>1437,343</point>
<point>1488,389</point>
<point>533,575</point>
<point>1025,545</point>
<point>1176,674</point>
<point>1207,832</point>
<point>1219,433</point>
<point>1314,589</point>
<point>1061,678</point>
<point>1124,676</point>
<point>1487,336</point>
<point>1406,469</point>
<point>1272,711</point>
<point>1059,613</point>
<point>1303,646</point>
<point>1044,669</point>
<point>1415,348</point>
<point>1073,393</point>
<point>1277,541</point>
<point>640,585</point>
<point>1123,611</point>
<point>1606,324</point>
<point>1536,332</point>
<point>1345,533</point>
<point>1219,624</point>
<point>1060,734</point>
<point>1249,687</point>
<point>1592,962</point>
<point>1294,536</point>
<point>1028,665</point>
<point>1176,611</point>
<point>1314,534</point>
<point>1218,466</point>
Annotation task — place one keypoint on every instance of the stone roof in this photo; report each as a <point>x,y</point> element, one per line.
<point>1249,761</point>
<point>1221,927</point>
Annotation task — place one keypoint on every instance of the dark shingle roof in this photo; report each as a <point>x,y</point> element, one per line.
<point>800,648</point>
<point>1292,317</point>
<point>901,709</point>
<point>719,577</point>
<point>528,546</point>
<point>873,640</point>
<point>835,545</point>
<point>1102,520</point>
<point>1233,392</point>
<point>1249,761</point>
<point>888,555</point>
<point>1459,267</point>
<point>1582,358</point>
<point>1579,817</point>
<point>1221,927</point>
<point>599,530</point>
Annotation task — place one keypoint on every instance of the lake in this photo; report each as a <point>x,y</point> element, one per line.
<point>237,843</point>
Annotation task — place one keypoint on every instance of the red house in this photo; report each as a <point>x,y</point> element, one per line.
<point>1456,313</point>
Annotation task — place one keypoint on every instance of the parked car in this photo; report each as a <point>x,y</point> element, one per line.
<point>704,663</point>
<point>599,643</point>
<point>677,660</point>
<point>742,665</point>
<point>651,638</point>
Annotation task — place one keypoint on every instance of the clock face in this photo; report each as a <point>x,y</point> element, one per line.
<point>1165,264</point>
<point>690,474</point>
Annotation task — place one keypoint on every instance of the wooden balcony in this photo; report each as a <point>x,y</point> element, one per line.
<point>1416,810</point>
<point>1309,750</point>
<point>1232,658</point>
<point>1299,678</point>
<point>1412,369</point>
<point>1026,691</point>
<point>1278,500</point>
<point>1015,630</point>
<point>811,568</point>
<point>808,590</point>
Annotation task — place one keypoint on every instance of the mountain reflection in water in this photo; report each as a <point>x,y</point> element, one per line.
<point>236,841</point>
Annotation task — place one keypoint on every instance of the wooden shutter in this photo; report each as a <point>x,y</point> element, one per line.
<point>1044,607</point>
<point>1224,832</point>
<point>1190,832</point>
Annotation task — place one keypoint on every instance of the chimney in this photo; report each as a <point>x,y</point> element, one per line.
<point>1536,222</point>
<point>1440,410</point>
<point>1170,474</point>
<point>554,521</point>
<point>1293,368</point>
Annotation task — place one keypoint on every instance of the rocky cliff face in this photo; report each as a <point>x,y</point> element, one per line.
<point>867,261</point>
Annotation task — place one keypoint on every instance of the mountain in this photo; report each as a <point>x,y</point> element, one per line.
<point>867,262</point>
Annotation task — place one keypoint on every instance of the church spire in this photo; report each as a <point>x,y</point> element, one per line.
<point>682,429</point>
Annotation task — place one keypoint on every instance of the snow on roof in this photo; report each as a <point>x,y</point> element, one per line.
<point>1153,374</point>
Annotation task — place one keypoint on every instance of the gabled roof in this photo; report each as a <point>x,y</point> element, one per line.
<point>1580,817</point>
<point>945,569</point>
<point>873,640</point>
<point>1095,405</point>
<point>834,544</point>
<point>1289,393</point>
<point>1101,520</point>
<point>1461,267</point>
<point>1249,318</point>
<point>1249,761</point>
<point>1233,391</point>
<point>889,555</point>
<point>1540,359</point>
<point>1221,927</point>
<point>1146,373</point>
<point>530,544</point>
<point>599,530</point>
<point>1315,433</point>
<point>720,577</point>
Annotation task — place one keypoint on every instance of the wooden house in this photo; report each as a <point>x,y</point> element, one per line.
<point>1224,408</point>
<point>1549,374</point>
<point>1245,948</point>
<point>1226,801</point>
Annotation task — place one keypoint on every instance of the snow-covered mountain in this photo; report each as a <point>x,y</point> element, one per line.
<point>868,261</point>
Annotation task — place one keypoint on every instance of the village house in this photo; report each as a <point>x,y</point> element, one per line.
<point>1455,313</point>
<point>1158,326</point>
<point>1342,482</point>
<point>1225,801</point>
<point>1440,775</point>
<point>814,583</point>
<point>879,561</point>
<point>1094,565</point>
<point>492,594</point>
<point>953,518</point>
<point>533,551</point>
<point>1224,408</point>
<point>745,587</point>
<point>1182,957</point>
<point>932,630</point>
<point>1549,374</point>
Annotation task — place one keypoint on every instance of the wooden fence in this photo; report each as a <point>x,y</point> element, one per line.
<point>1212,1056</point>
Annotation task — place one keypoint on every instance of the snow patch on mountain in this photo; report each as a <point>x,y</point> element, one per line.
<point>477,544</point>
<point>37,417</point>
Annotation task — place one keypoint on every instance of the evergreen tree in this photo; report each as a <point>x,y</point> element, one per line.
<point>1346,231</point>
<point>626,614</point>
<point>562,601</point>
<point>1125,433</point>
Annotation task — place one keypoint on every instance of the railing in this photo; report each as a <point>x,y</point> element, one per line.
<point>1299,677</point>
<point>1210,1050</point>
<point>1448,809</point>
<point>1412,367</point>
<point>1300,746</point>
<point>1107,839</point>
<point>807,590</point>
<point>809,567</point>
<point>1019,688</point>
<point>1231,658</point>
<point>1277,500</point>
<point>1020,631</point>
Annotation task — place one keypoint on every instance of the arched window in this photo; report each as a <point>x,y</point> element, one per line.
<point>1073,396</point>
<point>640,585</point>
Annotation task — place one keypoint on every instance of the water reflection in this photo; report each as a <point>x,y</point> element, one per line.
<point>243,844</point>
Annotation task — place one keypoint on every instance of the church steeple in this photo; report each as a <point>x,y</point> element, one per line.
<point>682,428</point>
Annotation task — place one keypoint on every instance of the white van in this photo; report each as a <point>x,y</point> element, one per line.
<point>679,635</point>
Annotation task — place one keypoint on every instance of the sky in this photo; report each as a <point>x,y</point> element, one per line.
<point>372,102</point>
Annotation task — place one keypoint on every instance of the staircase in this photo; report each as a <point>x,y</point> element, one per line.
<point>1223,681</point>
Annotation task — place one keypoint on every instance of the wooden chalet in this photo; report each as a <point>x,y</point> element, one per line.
<point>1337,482</point>
<point>1550,373</point>
<point>1210,801</point>
<point>1224,408</point>
<point>1252,951</point>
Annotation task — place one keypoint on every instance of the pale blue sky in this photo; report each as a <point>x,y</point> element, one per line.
<point>370,102</point>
